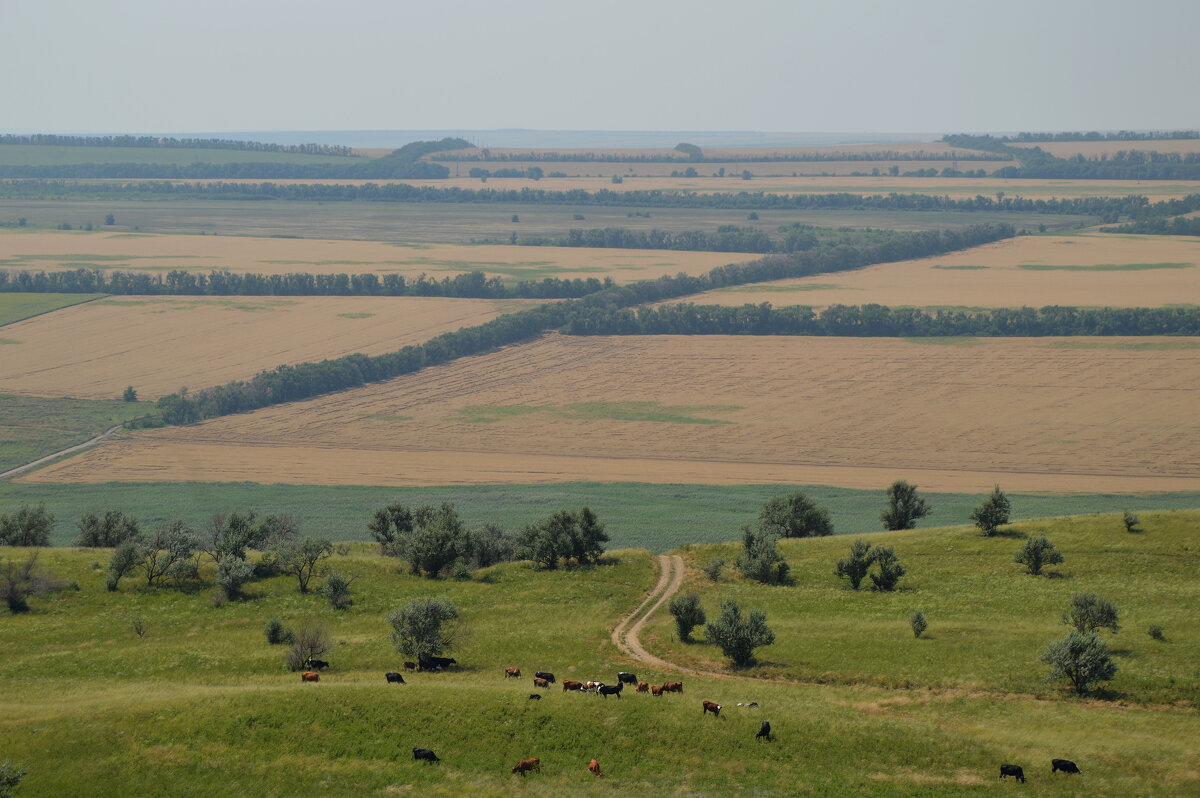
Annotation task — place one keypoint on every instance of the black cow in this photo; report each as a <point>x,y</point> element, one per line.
<point>535,696</point>
<point>606,691</point>
<point>1012,770</point>
<point>544,675</point>
<point>426,754</point>
<point>392,676</point>
<point>627,678</point>
<point>316,664</point>
<point>1065,765</point>
<point>764,732</point>
<point>435,663</point>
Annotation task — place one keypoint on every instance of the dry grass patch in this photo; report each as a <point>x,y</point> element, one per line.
<point>848,412</point>
<point>1090,270</point>
<point>158,344</point>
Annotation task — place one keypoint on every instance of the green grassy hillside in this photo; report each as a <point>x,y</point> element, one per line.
<point>203,705</point>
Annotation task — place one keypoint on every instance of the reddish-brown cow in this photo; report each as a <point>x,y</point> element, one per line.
<point>713,707</point>
<point>594,766</point>
<point>569,684</point>
<point>643,687</point>
<point>310,676</point>
<point>673,687</point>
<point>512,673</point>
<point>526,765</point>
<point>537,682</point>
<point>656,689</point>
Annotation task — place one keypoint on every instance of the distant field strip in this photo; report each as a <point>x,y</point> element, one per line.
<point>1086,270</point>
<point>159,344</point>
<point>1026,413</point>
<point>16,307</point>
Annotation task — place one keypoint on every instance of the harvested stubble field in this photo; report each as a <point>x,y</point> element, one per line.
<point>1030,414</point>
<point>56,250</point>
<point>1095,149</point>
<point>158,344</point>
<point>1087,270</point>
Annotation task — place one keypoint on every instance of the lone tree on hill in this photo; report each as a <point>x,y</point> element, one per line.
<point>688,615</point>
<point>993,513</point>
<point>855,566</point>
<point>761,559</point>
<point>738,636</point>
<point>794,515</point>
<point>1088,612</point>
<point>424,627</point>
<point>1036,553</point>
<point>890,569</point>
<point>904,506</point>
<point>28,526</point>
<point>1081,657</point>
<point>301,558</point>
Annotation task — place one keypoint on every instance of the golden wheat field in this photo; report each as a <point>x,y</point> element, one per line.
<point>1095,149</point>
<point>1087,270</point>
<point>55,250</point>
<point>1086,415</point>
<point>160,344</point>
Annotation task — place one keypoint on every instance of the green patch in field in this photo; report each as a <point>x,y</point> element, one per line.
<point>385,417</point>
<point>33,427</point>
<point>945,340</point>
<point>410,245</point>
<point>18,306</point>
<point>130,235</point>
<point>958,268</point>
<point>598,411</point>
<point>1103,267</point>
<point>767,288</point>
<point>9,341</point>
<point>355,315</point>
<point>1130,346</point>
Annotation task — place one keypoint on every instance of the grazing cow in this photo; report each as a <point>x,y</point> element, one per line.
<point>426,754</point>
<point>310,676</point>
<point>535,696</point>
<point>607,691</point>
<point>436,663</point>
<point>593,687</point>
<point>545,675</point>
<point>316,664</point>
<point>571,684</point>
<point>751,704</point>
<point>627,678</point>
<point>410,666</point>
<point>594,766</point>
<point>656,689</point>
<point>764,732</point>
<point>512,673</point>
<point>673,687</point>
<point>713,707</point>
<point>1065,765</point>
<point>643,687</point>
<point>1012,770</point>
<point>526,765</point>
<point>392,676</point>
<point>540,682</point>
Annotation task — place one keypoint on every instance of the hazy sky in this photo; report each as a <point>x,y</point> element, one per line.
<point>855,65</point>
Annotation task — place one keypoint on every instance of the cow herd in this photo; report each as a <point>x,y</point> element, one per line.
<point>1065,765</point>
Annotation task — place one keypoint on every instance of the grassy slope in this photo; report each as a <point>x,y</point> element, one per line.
<point>203,703</point>
<point>638,515</point>
<point>33,427</point>
<point>17,306</point>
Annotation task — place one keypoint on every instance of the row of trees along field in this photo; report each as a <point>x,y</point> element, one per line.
<point>1036,163</point>
<point>302,381</point>
<point>690,153</point>
<point>161,142</point>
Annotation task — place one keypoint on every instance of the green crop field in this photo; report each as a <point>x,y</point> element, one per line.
<point>33,427</point>
<point>202,703</point>
<point>17,306</point>
<point>56,155</point>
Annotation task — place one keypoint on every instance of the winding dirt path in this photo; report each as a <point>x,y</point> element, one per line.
<point>625,633</point>
<point>12,472</point>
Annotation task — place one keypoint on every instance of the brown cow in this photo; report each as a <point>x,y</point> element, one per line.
<point>310,676</point>
<point>410,666</point>
<point>512,673</point>
<point>594,766</point>
<point>643,687</point>
<point>569,684</point>
<point>537,682</point>
<point>673,687</point>
<point>655,689</point>
<point>713,707</point>
<point>526,765</point>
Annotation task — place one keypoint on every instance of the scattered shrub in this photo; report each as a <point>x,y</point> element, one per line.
<point>761,559</point>
<point>738,636</point>
<point>904,506</point>
<point>138,625</point>
<point>309,643</point>
<point>129,555</point>
<point>794,515</point>
<point>919,624</point>
<point>424,627</point>
<point>855,566</point>
<point>232,575</point>
<point>1036,553</point>
<point>1088,612</point>
<point>302,558</point>
<point>337,590</point>
<point>28,526</point>
<point>108,532</point>
<point>1156,632</point>
<point>688,614</point>
<point>890,569</point>
<point>1131,522</point>
<point>10,776</point>
<point>993,513</point>
<point>1080,657</point>
<point>276,633</point>
<point>712,569</point>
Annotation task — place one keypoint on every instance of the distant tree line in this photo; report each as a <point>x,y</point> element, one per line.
<point>881,321</point>
<point>774,157</point>
<point>159,142</point>
<point>226,283</point>
<point>532,173</point>
<point>1161,226</point>
<point>1038,164</point>
<point>1121,135</point>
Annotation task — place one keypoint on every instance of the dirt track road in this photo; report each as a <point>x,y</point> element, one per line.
<point>625,633</point>
<point>12,472</point>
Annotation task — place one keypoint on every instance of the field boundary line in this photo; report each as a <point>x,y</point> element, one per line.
<point>12,472</point>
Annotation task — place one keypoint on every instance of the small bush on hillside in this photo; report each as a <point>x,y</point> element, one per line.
<point>1080,657</point>
<point>1156,632</point>
<point>277,634</point>
<point>855,566</point>
<point>337,590</point>
<point>171,544</point>
<point>302,558</point>
<point>890,569</point>
<point>794,515</point>
<point>310,642</point>
<point>232,575</point>
<point>904,506</point>
<point>1088,612</point>
<point>106,532</point>
<point>1036,553</point>
<point>1131,522</point>
<point>127,557</point>
<point>738,636</point>
<point>688,615</point>
<point>139,626</point>
<point>918,623</point>
<point>10,777</point>
<point>28,526</point>
<point>20,581</point>
<point>761,559</point>
<point>993,513</point>
<point>712,569</point>
<point>424,627</point>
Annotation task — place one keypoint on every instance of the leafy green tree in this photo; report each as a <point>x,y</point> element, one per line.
<point>20,581</point>
<point>918,623</point>
<point>130,394</point>
<point>438,539</point>
<point>231,535</point>
<point>794,515</point>
<point>890,569</point>
<point>28,526</point>
<point>390,526</point>
<point>109,219</point>
<point>171,544</point>
<point>106,532</point>
<point>424,627</point>
<point>128,556</point>
<point>688,614</point>
<point>738,636</point>
<point>562,536</point>
<point>301,558</point>
<point>337,590</point>
<point>993,513</point>
<point>233,573</point>
<point>1131,522</point>
<point>1081,657</point>
<point>491,544</point>
<point>1089,612</point>
<point>855,566</point>
<point>760,559</point>
<point>277,634</point>
<point>1037,553</point>
<point>904,506</point>
<point>712,569</point>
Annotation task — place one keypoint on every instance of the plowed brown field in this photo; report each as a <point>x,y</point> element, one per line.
<point>1031,414</point>
<point>160,253</point>
<point>159,344</point>
<point>1095,270</point>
